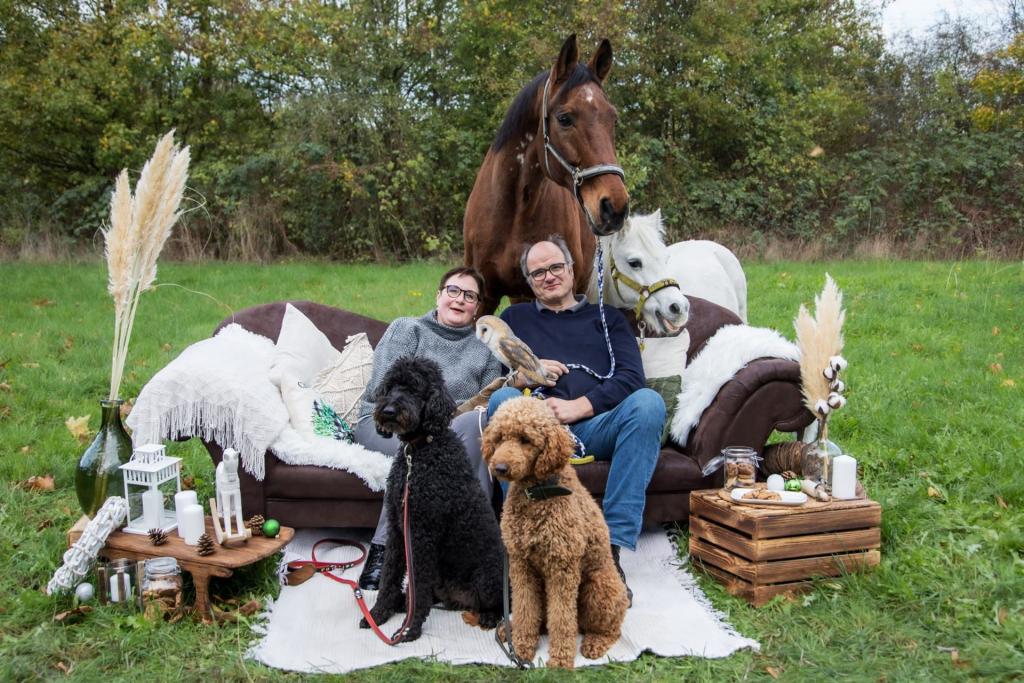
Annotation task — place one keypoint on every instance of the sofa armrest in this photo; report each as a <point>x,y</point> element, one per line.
<point>762,397</point>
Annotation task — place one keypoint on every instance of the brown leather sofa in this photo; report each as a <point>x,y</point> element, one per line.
<point>763,396</point>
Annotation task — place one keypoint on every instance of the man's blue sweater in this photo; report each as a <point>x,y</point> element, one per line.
<point>576,336</point>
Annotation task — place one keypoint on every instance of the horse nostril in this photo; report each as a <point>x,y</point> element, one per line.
<point>674,308</point>
<point>607,210</point>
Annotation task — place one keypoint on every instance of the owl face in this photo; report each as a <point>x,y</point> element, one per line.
<point>484,332</point>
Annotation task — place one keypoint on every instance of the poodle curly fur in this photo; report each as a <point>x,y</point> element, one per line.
<point>456,544</point>
<point>560,561</point>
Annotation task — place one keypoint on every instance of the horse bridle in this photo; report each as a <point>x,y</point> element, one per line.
<point>578,174</point>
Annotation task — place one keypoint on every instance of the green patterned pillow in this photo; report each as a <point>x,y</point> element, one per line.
<point>668,388</point>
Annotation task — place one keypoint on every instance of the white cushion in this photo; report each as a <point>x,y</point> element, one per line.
<point>665,356</point>
<point>309,414</point>
<point>302,350</point>
<point>343,383</point>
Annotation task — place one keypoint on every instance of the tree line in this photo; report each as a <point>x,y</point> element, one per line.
<point>354,130</point>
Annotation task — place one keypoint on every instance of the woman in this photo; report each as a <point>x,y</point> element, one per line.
<point>446,335</point>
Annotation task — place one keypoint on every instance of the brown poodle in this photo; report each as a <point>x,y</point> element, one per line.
<point>560,560</point>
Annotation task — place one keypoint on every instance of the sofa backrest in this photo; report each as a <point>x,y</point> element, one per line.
<point>338,324</point>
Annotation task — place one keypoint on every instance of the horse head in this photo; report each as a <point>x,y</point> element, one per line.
<point>579,146</point>
<point>634,263</point>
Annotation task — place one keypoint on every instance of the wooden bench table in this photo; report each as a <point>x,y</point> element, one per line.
<point>758,552</point>
<point>220,563</point>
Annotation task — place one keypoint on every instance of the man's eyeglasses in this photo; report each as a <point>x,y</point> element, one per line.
<point>555,269</point>
<point>453,292</point>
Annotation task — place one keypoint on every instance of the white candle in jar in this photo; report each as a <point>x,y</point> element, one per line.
<point>844,477</point>
<point>152,507</point>
<point>115,586</point>
<point>182,499</point>
<point>193,524</point>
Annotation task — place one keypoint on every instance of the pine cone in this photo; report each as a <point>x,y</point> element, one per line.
<point>255,525</point>
<point>205,546</point>
<point>789,474</point>
<point>157,536</point>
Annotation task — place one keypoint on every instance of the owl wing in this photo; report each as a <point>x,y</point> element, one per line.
<point>521,358</point>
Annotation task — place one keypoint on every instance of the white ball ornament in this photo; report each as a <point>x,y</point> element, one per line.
<point>85,592</point>
<point>837,363</point>
<point>830,373</point>
<point>776,482</point>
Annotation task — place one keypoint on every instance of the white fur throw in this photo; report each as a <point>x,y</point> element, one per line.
<point>217,389</point>
<point>727,352</point>
<point>292,448</point>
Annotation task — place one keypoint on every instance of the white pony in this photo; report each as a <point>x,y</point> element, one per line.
<point>635,268</point>
<point>700,267</point>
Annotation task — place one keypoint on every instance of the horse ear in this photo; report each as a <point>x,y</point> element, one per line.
<point>601,62</point>
<point>566,61</point>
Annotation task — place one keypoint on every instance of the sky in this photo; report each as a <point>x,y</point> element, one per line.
<point>917,16</point>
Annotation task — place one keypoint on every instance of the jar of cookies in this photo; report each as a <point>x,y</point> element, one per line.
<point>740,465</point>
<point>161,586</point>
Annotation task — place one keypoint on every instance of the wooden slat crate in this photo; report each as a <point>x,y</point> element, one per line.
<point>760,552</point>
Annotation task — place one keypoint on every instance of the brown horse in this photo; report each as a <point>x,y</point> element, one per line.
<point>551,168</point>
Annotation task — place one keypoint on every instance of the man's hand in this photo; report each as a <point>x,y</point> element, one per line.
<point>572,411</point>
<point>553,369</point>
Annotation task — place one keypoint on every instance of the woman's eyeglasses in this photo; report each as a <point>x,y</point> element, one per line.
<point>555,269</point>
<point>453,292</point>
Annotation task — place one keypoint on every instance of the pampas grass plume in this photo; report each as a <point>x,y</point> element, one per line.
<point>139,226</point>
<point>819,338</point>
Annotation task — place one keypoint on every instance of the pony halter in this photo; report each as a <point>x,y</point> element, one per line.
<point>578,174</point>
<point>645,291</point>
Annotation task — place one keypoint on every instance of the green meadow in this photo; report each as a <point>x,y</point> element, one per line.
<point>935,419</point>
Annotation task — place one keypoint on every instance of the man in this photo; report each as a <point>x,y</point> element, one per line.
<point>616,418</point>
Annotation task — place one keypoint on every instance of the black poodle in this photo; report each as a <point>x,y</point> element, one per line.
<point>456,544</point>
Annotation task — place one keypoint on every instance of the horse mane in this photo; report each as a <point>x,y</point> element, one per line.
<point>649,229</point>
<point>517,119</point>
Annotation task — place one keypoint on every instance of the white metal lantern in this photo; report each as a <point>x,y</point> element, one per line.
<point>150,469</point>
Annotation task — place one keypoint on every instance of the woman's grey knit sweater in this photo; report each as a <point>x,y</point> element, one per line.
<point>466,362</point>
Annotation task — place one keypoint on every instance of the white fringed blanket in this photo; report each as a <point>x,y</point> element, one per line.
<point>218,389</point>
<point>727,352</point>
<point>313,627</point>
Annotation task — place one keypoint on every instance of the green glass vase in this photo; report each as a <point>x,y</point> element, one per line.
<point>99,475</point>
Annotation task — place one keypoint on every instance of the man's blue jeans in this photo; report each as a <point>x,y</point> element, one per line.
<point>630,436</point>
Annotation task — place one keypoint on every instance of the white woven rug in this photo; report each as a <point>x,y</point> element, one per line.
<point>313,627</point>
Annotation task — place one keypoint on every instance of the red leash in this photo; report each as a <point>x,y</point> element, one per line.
<point>326,567</point>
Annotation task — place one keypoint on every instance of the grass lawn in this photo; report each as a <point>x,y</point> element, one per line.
<point>935,418</point>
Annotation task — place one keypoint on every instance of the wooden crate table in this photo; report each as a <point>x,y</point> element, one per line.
<point>758,552</point>
<point>221,563</point>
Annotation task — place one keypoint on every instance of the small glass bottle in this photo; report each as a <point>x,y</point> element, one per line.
<point>161,585</point>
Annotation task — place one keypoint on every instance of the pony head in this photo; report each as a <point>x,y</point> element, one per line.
<point>639,255</point>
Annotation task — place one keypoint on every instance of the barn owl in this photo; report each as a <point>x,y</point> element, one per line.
<point>510,349</point>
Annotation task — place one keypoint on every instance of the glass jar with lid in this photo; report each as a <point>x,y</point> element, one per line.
<point>161,586</point>
<point>740,464</point>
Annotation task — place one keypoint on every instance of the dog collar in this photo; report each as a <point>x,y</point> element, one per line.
<point>549,488</point>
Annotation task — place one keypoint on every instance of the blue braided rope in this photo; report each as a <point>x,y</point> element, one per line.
<point>604,323</point>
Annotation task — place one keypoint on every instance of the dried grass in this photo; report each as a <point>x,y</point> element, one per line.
<point>819,338</point>
<point>139,226</point>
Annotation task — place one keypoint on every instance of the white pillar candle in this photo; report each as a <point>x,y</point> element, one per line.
<point>152,507</point>
<point>193,523</point>
<point>182,499</point>
<point>844,477</point>
<point>115,586</point>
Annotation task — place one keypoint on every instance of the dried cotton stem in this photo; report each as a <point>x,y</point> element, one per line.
<point>819,338</point>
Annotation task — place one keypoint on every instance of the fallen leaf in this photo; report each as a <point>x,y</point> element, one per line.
<point>995,368</point>
<point>1009,383</point>
<point>774,672</point>
<point>26,449</point>
<point>957,662</point>
<point>995,331</point>
<point>5,411</point>
<point>934,492</point>
<point>165,347</point>
<point>71,613</point>
<point>43,483</point>
<point>79,427</point>
<point>69,343</point>
<point>30,366</point>
<point>1001,615</point>
<point>917,347</point>
<point>45,524</point>
<point>188,482</point>
<point>1000,502</point>
<point>40,303</point>
<point>4,386</point>
<point>250,608</point>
